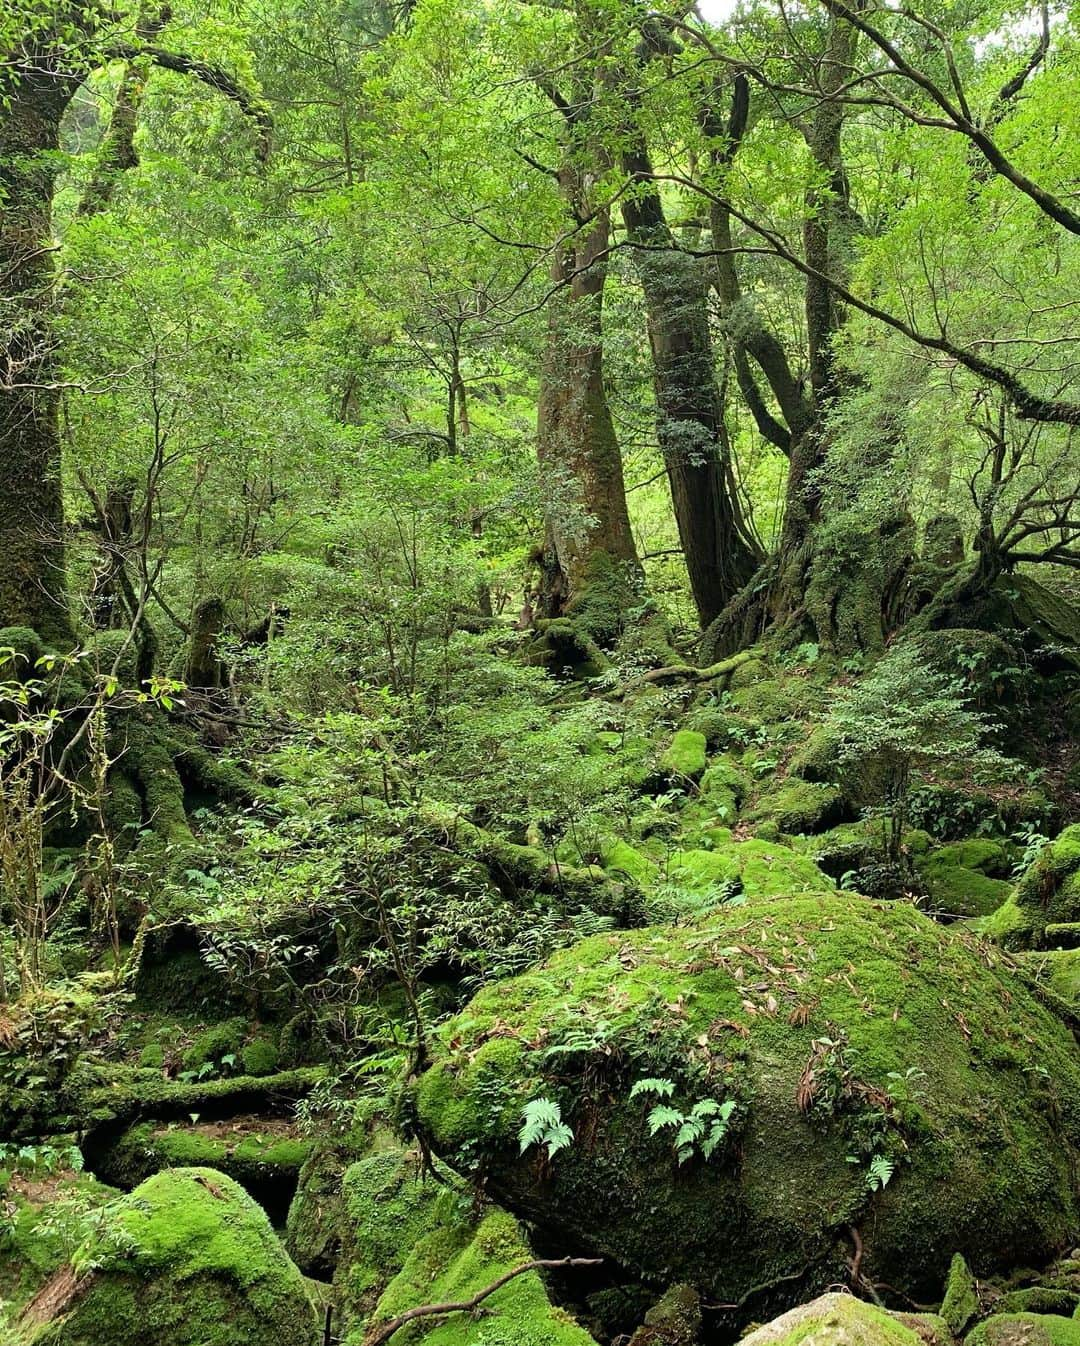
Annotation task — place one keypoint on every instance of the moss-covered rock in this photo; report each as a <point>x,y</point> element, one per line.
<point>800,806</point>
<point>1048,891</point>
<point>1039,1299</point>
<point>261,1154</point>
<point>752,868</point>
<point>685,757</point>
<point>836,1027</point>
<point>961,1301</point>
<point>835,1320</point>
<point>675,1320</point>
<point>459,1257</point>
<point>187,1258</point>
<point>1025,1329</point>
<point>959,877</point>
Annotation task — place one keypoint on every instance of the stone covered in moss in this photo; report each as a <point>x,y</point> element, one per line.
<point>800,806</point>
<point>262,1156</point>
<point>454,1261</point>
<point>187,1258</point>
<point>961,1301</point>
<point>835,1320</point>
<point>685,756</point>
<point>808,1013</point>
<point>1048,892</point>
<point>1025,1329</point>
<point>1039,1299</point>
<point>755,868</point>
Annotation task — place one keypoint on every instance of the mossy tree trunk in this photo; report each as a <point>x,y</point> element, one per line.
<point>581,464</point>
<point>34,95</point>
<point>720,550</point>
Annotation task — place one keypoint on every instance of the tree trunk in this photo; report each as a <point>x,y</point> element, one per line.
<point>32,580</point>
<point>579,455</point>
<point>721,554</point>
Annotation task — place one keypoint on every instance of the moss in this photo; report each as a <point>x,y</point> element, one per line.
<point>961,1301</point>
<point>984,1131</point>
<point>387,1208</point>
<point>1039,1299</point>
<point>817,759</point>
<point>800,806</point>
<point>675,1320</point>
<point>1049,889</point>
<point>685,756</point>
<point>216,1042</point>
<point>619,857</point>
<point>1025,1329</point>
<point>457,1259</point>
<point>725,778</point>
<point>190,1259</point>
<point>33,1239</point>
<point>1010,925</point>
<point>958,891</point>
<point>266,1163</point>
<point>260,1056</point>
<point>835,1320</point>
<point>722,728</point>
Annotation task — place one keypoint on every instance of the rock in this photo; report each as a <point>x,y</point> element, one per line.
<point>413,1240</point>
<point>835,1320</point>
<point>1025,1329</point>
<point>685,756</point>
<point>1048,892</point>
<point>835,1027</point>
<point>961,1302</point>
<point>674,1321</point>
<point>1039,1299</point>
<point>801,806</point>
<point>188,1258</point>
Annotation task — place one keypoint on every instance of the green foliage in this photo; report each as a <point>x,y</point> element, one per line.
<point>542,1124</point>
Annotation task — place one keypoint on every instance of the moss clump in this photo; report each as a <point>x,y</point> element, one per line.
<point>801,806</point>
<point>216,1042</point>
<point>685,756</point>
<point>1025,1329</point>
<point>187,1258</point>
<point>956,890</point>
<point>620,858</point>
<point>386,1209</point>
<point>1039,1299</point>
<point>1048,892</point>
<point>260,1056</point>
<point>460,1257</point>
<point>983,1132</point>
<point>675,1320</point>
<point>264,1161</point>
<point>753,868</point>
<point>835,1320</point>
<point>961,1301</point>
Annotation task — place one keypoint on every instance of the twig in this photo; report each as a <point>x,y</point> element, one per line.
<point>382,1333</point>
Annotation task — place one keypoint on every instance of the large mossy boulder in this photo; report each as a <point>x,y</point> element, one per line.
<point>1025,1329</point>
<point>858,1043</point>
<point>840,1320</point>
<point>188,1258</point>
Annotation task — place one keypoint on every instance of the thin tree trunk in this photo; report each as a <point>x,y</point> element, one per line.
<point>586,510</point>
<point>32,578</point>
<point>721,554</point>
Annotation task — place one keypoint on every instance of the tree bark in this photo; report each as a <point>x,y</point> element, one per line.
<point>586,512</point>
<point>721,553</point>
<point>34,95</point>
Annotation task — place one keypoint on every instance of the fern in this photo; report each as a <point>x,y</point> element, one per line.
<point>662,1116</point>
<point>660,1087</point>
<point>880,1171</point>
<point>542,1124</point>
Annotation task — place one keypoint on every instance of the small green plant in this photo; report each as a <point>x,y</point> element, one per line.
<point>879,1171</point>
<point>542,1124</point>
<point>701,1129</point>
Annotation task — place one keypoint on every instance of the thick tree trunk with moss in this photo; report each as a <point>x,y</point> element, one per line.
<point>721,553</point>
<point>32,580</point>
<point>581,465</point>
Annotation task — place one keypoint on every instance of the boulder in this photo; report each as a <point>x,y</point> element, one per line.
<point>824,1062</point>
<point>188,1258</point>
<point>835,1320</point>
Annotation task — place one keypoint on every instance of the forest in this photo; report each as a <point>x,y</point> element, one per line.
<point>539,673</point>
